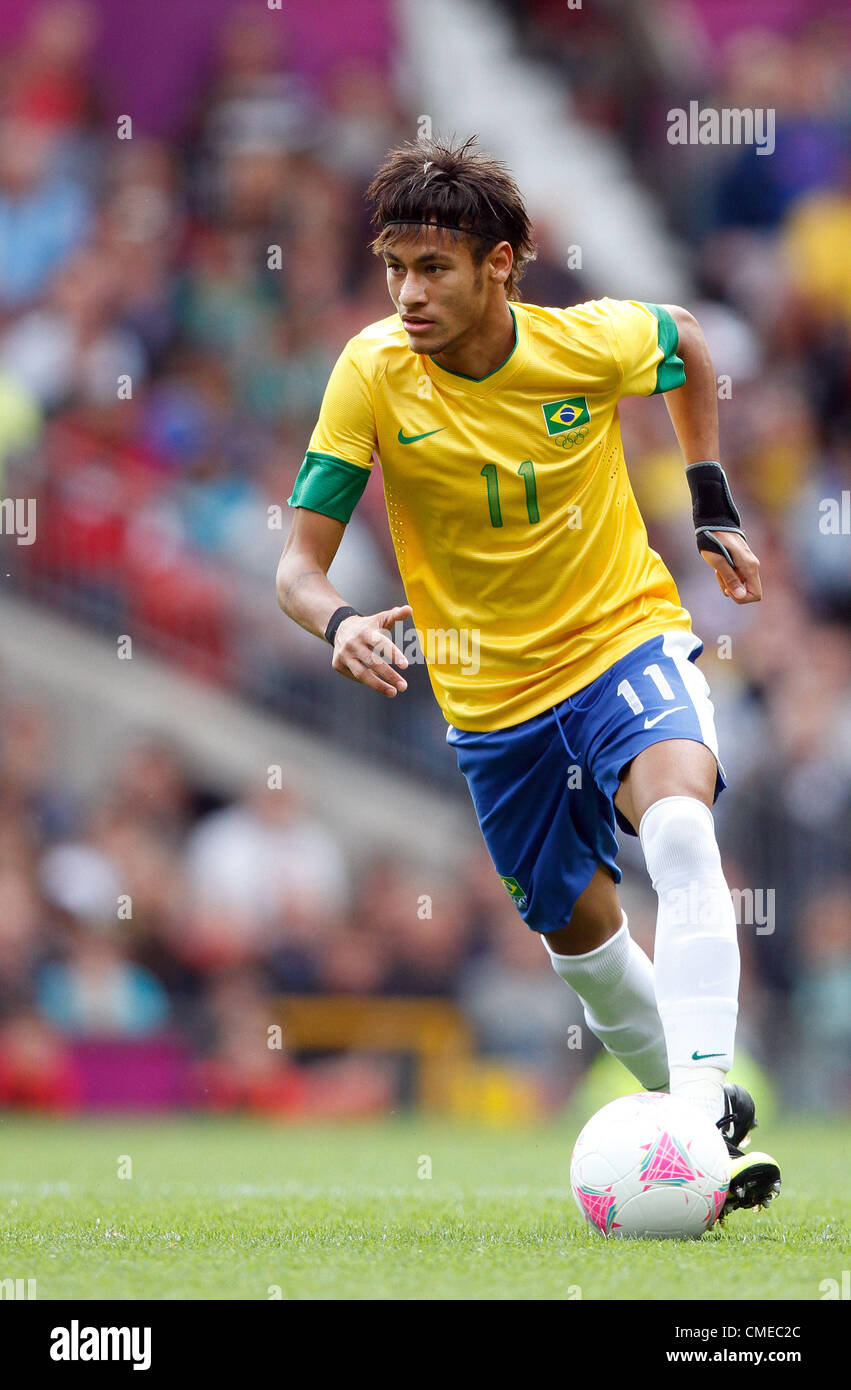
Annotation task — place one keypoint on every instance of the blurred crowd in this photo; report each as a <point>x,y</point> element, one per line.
<point>155,909</point>
<point>169,312</point>
<point>170,307</point>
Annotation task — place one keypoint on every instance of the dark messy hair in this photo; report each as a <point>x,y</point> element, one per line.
<point>432,181</point>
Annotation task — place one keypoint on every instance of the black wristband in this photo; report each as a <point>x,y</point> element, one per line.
<point>337,617</point>
<point>712,507</point>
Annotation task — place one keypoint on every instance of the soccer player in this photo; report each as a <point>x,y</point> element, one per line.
<point>514,524</point>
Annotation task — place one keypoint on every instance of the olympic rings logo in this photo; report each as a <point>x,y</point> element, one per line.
<point>568,438</point>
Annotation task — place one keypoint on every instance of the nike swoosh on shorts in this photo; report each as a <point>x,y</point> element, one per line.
<point>648,723</point>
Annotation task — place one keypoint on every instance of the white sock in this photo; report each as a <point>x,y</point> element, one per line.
<point>615,984</point>
<point>696,958</point>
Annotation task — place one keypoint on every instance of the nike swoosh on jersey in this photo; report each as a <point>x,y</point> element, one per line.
<point>412,439</point>
<point>648,723</point>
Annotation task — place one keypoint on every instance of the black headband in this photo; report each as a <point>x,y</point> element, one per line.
<point>441,226</point>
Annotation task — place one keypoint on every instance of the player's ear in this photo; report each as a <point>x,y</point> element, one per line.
<point>500,261</point>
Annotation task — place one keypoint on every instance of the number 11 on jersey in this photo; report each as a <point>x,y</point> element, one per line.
<point>527,472</point>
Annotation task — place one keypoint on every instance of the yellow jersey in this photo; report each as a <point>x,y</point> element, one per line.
<point>519,541</point>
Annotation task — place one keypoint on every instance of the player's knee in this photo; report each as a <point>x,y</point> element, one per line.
<point>677,834</point>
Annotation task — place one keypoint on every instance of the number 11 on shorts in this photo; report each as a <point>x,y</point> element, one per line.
<point>657,676</point>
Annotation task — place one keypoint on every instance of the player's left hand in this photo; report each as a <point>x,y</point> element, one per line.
<point>741,584</point>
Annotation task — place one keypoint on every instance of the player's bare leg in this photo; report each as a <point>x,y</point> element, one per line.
<point>595,954</point>
<point>596,917</point>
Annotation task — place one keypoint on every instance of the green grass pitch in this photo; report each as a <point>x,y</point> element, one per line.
<point>230,1209</point>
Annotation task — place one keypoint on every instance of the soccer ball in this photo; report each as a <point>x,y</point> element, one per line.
<point>650,1165</point>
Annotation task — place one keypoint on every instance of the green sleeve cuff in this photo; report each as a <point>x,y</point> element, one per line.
<point>329,485</point>
<point>670,372</point>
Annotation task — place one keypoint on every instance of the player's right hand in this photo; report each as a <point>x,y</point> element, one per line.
<point>741,584</point>
<point>363,649</point>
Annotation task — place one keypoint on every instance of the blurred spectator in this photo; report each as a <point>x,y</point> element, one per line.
<point>43,216</point>
<point>518,1006</point>
<point>37,1071</point>
<point>244,1072</point>
<point>822,999</point>
<point>261,872</point>
<point>72,349</point>
<point>95,990</point>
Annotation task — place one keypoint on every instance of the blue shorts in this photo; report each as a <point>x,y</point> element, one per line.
<point>544,789</point>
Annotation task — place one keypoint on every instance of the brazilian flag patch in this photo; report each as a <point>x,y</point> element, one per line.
<point>565,414</point>
<point>515,892</point>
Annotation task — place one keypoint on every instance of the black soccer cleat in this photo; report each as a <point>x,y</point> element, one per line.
<point>739,1116</point>
<point>754,1177</point>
